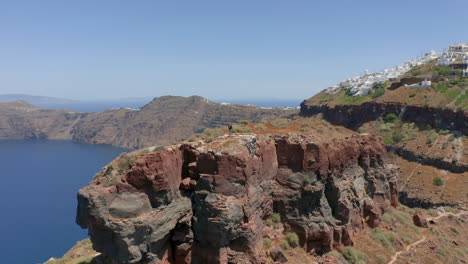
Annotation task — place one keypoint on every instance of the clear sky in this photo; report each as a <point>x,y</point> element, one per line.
<point>218,49</point>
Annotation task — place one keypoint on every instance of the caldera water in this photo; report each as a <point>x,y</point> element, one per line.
<point>39,181</point>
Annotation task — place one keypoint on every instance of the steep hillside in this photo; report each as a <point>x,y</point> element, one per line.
<point>448,89</point>
<point>20,120</point>
<point>165,120</point>
<point>422,116</point>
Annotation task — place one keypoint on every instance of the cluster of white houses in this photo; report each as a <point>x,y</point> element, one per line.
<point>363,85</point>
<point>456,56</point>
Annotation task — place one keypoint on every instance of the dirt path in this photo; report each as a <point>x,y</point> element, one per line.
<point>395,257</point>
<point>397,254</point>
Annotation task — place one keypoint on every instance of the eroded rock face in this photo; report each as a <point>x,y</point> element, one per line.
<point>353,116</point>
<point>206,203</point>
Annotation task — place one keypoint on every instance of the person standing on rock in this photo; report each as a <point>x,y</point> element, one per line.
<point>230,129</point>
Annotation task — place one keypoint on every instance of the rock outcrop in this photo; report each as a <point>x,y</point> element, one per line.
<point>353,116</point>
<point>419,219</point>
<point>207,202</point>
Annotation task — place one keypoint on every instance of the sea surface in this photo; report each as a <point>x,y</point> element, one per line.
<point>39,181</point>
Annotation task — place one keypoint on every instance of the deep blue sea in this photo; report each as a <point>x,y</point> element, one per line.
<point>39,182</point>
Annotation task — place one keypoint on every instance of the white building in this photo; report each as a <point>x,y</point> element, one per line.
<point>422,84</point>
<point>363,85</point>
<point>456,54</point>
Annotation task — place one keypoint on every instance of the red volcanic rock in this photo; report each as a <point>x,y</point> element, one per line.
<point>277,254</point>
<point>207,203</point>
<point>419,219</point>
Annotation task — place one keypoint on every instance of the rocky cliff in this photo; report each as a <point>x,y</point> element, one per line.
<point>165,120</point>
<point>353,116</point>
<point>208,202</point>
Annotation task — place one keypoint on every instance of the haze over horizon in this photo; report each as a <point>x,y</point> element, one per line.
<point>109,50</point>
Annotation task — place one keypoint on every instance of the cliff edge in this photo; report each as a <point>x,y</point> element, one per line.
<point>209,202</point>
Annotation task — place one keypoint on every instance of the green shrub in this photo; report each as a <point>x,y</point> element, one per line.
<point>284,245</point>
<point>361,129</point>
<point>461,99</point>
<point>212,132</point>
<point>379,91</point>
<point>443,70</point>
<point>390,118</point>
<point>260,127</point>
<point>397,137</point>
<point>241,129</point>
<point>387,218</point>
<point>276,218</point>
<point>292,239</point>
<point>244,122</point>
<point>444,132</point>
<point>385,238</point>
<point>438,181</point>
<point>451,138</point>
<point>267,242</point>
<point>354,256</point>
<point>334,253</point>
<point>455,230</point>
<point>388,140</point>
<point>441,87</point>
<point>416,73</point>
<point>269,222</point>
<point>452,94</point>
<point>109,169</point>
<point>406,237</point>
<point>431,137</point>
<point>127,161</point>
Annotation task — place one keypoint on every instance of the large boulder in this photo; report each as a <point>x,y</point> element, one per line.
<point>419,219</point>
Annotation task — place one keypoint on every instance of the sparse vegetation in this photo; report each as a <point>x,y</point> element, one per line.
<point>438,181</point>
<point>431,136</point>
<point>267,242</point>
<point>260,127</point>
<point>441,87</point>
<point>354,256</point>
<point>334,253</point>
<point>284,245</point>
<point>385,238</point>
<point>109,169</point>
<point>293,239</point>
<point>451,138</point>
<point>390,118</point>
<point>276,218</point>
<point>397,137</point>
<point>127,161</point>
<point>241,129</point>
<point>443,70</point>
<point>388,140</point>
<point>381,259</point>
<point>455,230</point>
<point>280,123</point>
<point>379,91</point>
<point>416,73</point>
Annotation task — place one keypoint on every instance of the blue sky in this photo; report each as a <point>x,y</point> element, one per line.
<point>216,49</point>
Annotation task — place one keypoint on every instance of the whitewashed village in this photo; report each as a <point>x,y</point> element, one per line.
<point>456,56</point>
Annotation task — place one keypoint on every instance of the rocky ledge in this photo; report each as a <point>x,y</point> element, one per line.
<point>353,116</point>
<point>208,202</point>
